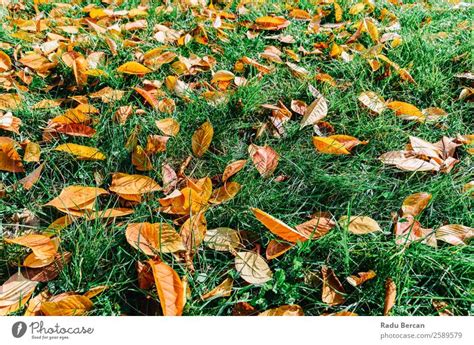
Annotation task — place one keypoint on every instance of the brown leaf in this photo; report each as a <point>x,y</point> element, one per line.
<point>264,158</point>
<point>316,227</point>
<point>169,287</point>
<point>225,193</point>
<point>360,278</point>
<point>252,268</point>
<point>28,181</point>
<point>372,101</point>
<point>76,198</point>
<point>133,184</point>
<point>390,296</point>
<point>455,234</point>
<point>332,288</point>
<point>15,292</point>
<point>42,246</point>
<point>202,138</point>
<point>276,249</point>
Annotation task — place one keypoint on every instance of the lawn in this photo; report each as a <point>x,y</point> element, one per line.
<point>206,64</point>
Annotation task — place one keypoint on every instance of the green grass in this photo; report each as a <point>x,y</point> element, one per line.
<point>357,184</point>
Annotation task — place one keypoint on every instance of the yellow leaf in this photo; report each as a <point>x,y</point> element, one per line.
<point>329,146</point>
<point>133,67</point>
<point>222,239</point>
<point>202,138</point>
<point>81,152</point>
<point>133,184</point>
<point>414,204</point>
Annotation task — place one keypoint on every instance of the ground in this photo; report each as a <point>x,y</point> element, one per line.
<point>436,45</point>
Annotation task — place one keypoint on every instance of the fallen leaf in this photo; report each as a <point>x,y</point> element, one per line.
<point>278,227</point>
<point>360,225</point>
<point>264,158</point>
<point>415,203</point>
<point>315,112</point>
<point>154,238</point>
<point>332,290</point>
<point>276,249</point>
<point>372,101</point>
<point>81,152</point>
<point>169,287</point>
<point>224,289</point>
<point>360,278</point>
<point>133,184</point>
<point>406,111</point>
<point>202,138</point>
<point>233,168</point>
<point>390,296</point>
<point>15,292</point>
<point>455,234</point>
<point>222,239</point>
<point>168,126</point>
<point>69,305</point>
<point>252,268</point>
<point>133,67</point>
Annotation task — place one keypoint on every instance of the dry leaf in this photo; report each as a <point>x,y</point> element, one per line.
<point>168,126</point>
<point>315,112</point>
<point>224,289</point>
<point>372,101</point>
<point>15,292</point>
<point>360,278</point>
<point>81,152</point>
<point>455,234</point>
<point>390,296</point>
<point>222,239</point>
<point>69,305</point>
<point>414,204</point>
<point>202,138</point>
<point>360,225</point>
<point>276,249</point>
<point>332,288</point>
<point>133,184</point>
<point>406,111</point>
<point>155,238</point>
<point>169,287</point>
<point>278,227</point>
<point>252,268</point>
<point>264,158</point>
<point>233,168</point>
<point>133,67</point>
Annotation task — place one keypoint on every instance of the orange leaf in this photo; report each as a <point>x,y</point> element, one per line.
<point>69,305</point>
<point>154,238</point>
<point>278,227</point>
<point>332,287</point>
<point>276,249</point>
<point>169,287</point>
<point>264,158</point>
<point>390,296</point>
